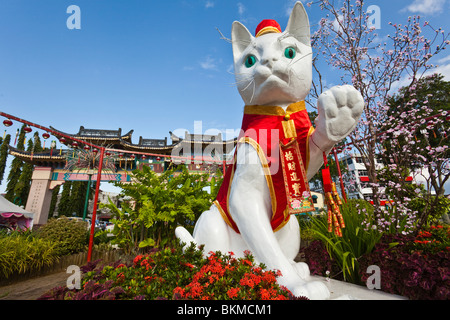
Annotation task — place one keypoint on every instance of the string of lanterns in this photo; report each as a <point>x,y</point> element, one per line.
<point>114,156</point>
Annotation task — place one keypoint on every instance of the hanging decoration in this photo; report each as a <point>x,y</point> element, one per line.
<point>120,159</point>
<point>7,123</point>
<point>17,135</point>
<point>62,141</point>
<point>82,159</point>
<point>332,200</point>
<point>45,135</point>
<point>52,146</point>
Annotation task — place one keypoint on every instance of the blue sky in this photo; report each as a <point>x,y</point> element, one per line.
<point>151,66</point>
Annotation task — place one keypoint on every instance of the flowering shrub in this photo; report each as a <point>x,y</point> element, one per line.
<point>174,274</point>
<point>225,277</point>
<point>433,239</point>
<point>414,266</point>
<point>407,271</point>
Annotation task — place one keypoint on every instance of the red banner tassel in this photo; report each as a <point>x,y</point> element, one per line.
<point>335,219</point>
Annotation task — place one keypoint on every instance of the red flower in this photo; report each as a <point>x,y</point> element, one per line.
<point>265,295</point>
<point>247,262</point>
<point>233,292</point>
<point>137,259</point>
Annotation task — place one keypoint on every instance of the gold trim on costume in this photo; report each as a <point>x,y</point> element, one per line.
<point>222,213</point>
<point>275,110</point>
<point>310,132</point>
<point>289,129</point>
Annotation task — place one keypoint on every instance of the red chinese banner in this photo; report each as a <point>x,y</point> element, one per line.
<point>333,201</point>
<point>297,188</point>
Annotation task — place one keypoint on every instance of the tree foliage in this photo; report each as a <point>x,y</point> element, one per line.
<point>347,42</point>
<point>16,168</point>
<point>4,155</point>
<point>155,204</point>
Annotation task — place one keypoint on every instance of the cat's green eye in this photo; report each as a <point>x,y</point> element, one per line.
<point>290,53</point>
<point>250,61</point>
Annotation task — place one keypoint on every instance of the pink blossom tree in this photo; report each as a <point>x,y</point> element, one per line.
<point>375,65</point>
<point>415,144</point>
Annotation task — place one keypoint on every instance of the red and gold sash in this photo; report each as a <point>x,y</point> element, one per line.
<point>281,140</point>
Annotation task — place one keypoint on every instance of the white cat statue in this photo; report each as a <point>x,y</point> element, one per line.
<point>278,151</point>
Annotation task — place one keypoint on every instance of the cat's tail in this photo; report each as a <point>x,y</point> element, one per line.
<point>184,236</point>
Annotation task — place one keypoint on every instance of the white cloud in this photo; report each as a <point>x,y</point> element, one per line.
<point>289,6</point>
<point>442,68</point>
<point>426,6</point>
<point>444,60</point>
<point>241,8</point>
<point>209,4</point>
<point>209,63</point>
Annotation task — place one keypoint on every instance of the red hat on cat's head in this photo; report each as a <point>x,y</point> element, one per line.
<point>267,26</point>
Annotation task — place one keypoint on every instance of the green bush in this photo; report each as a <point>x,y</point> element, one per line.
<point>358,237</point>
<point>22,252</point>
<point>71,236</point>
<point>158,203</point>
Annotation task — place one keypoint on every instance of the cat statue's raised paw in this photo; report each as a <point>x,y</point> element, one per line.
<point>277,153</point>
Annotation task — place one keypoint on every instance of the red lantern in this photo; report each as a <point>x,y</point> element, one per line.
<point>63,140</point>
<point>75,144</point>
<point>95,150</point>
<point>45,135</point>
<point>120,155</point>
<point>7,123</point>
<point>86,147</point>
<point>143,157</point>
<point>158,158</point>
<point>27,129</point>
<point>132,156</point>
<point>107,153</point>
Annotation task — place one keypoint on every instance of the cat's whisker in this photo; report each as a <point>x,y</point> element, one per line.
<point>299,59</point>
<point>241,81</point>
<point>247,42</point>
<point>254,89</point>
<point>250,82</point>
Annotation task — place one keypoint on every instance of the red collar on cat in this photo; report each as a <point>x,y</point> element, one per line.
<point>267,26</point>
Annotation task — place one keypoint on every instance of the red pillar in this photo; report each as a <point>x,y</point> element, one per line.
<point>94,212</point>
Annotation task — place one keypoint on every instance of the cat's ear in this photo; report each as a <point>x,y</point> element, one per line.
<point>240,39</point>
<point>298,25</point>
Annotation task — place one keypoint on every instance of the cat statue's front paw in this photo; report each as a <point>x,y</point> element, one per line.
<point>339,111</point>
<point>313,290</point>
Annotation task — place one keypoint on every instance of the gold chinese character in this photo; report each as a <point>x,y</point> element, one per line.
<point>289,156</point>
<point>291,166</point>
<point>294,176</point>
<point>296,187</point>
